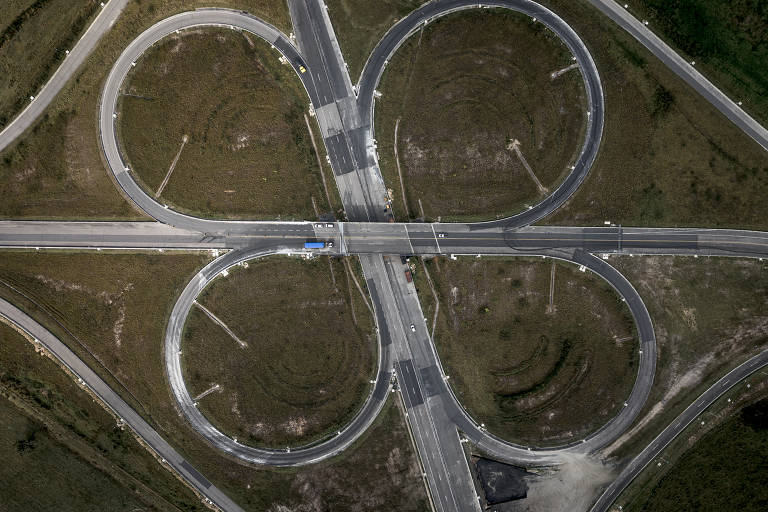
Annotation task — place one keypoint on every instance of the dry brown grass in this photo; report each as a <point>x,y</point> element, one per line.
<point>531,376</point>
<point>668,158</point>
<point>248,154</point>
<point>709,315</point>
<point>465,88</point>
<point>308,361</point>
<point>377,472</point>
<point>34,35</point>
<point>360,24</point>
<point>56,170</point>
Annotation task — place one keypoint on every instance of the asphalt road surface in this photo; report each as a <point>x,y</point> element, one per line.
<point>397,35</point>
<point>98,387</point>
<point>650,452</point>
<point>683,69</point>
<point>103,22</point>
<point>346,123</point>
<point>275,457</point>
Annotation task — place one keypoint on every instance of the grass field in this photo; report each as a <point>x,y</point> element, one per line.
<point>308,359</point>
<point>709,316</point>
<point>360,24</point>
<point>463,96</point>
<point>34,35</point>
<point>239,115</point>
<point>62,451</point>
<point>727,40</point>
<point>56,170</point>
<point>83,292</point>
<point>533,375</point>
<point>718,465</point>
<point>668,158</point>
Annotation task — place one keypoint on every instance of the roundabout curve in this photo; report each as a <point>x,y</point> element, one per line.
<point>399,33</point>
<point>607,433</point>
<point>308,454</point>
<point>108,113</point>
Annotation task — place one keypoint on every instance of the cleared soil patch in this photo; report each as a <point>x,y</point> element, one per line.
<point>667,158</point>
<point>380,471</point>
<point>709,315</point>
<point>62,451</point>
<point>56,170</point>
<point>308,359</point>
<point>237,111</point>
<point>468,89</point>
<point>34,35</point>
<point>531,376</point>
<point>360,24</point>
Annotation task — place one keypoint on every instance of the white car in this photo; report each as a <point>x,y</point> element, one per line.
<point>413,328</point>
<point>441,235</point>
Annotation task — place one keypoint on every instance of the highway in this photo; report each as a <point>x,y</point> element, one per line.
<point>389,238</point>
<point>122,410</point>
<point>684,69</point>
<point>409,25</point>
<point>345,115</point>
<point>77,55</point>
<point>718,389</point>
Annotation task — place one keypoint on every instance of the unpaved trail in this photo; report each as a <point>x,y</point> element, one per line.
<point>221,324</point>
<point>184,141</point>
<point>399,172</point>
<point>515,146</point>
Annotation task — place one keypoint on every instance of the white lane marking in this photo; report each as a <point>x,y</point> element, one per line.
<point>436,242</point>
<point>408,237</point>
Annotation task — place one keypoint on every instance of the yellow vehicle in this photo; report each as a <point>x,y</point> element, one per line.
<point>300,66</point>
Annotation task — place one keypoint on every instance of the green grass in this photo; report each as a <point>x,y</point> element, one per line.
<point>56,170</point>
<point>718,465</point>
<point>248,154</point>
<point>34,35</point>
<point>308,361</point>
<point>709,316</point>
<point>76,289</point>
<point>62,451</point>
<point>728,41</point>
<point>463,89</point>
<point>668,158</point>
<point>533,376</point>
<point>360,24</point>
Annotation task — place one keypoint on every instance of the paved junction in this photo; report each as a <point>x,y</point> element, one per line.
<point>407,356</point>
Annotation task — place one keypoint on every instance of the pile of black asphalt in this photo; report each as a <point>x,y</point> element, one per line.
<point>501,482</point>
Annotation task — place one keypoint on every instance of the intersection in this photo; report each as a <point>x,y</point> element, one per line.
<point>345,112</point>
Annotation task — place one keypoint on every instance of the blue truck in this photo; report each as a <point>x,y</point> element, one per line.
<point>317,245</point>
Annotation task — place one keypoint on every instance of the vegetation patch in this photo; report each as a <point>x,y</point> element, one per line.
<point>727,40</point>
<point>213,124</point>
<point>56,170</point>
<point>70,294</point>
<point>304,353</point>
<point>534,374</point>
<point>34,36</point>
<point>725,470</point>
<point>63,451</point>
<point>668,157</point>
<point>483,128</point>
<point>360,24</point>
<point>709,316</point>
